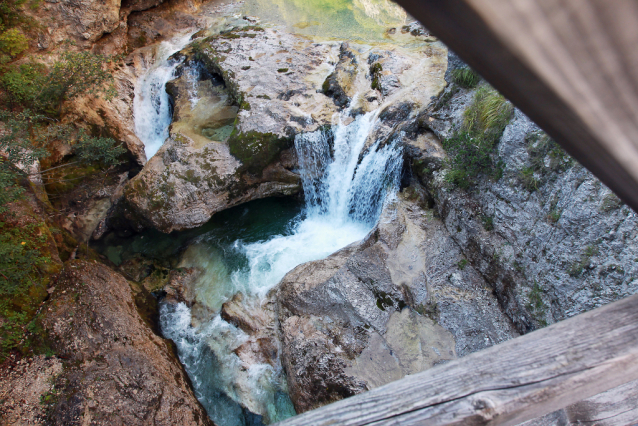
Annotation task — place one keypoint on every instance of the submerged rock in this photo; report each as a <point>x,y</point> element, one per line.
<point>396,303</point>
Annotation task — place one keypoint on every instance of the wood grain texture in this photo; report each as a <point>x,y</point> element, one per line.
<point>507,384</point>
<point>570,65</point>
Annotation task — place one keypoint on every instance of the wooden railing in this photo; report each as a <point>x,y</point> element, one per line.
<point>571,66</point>
<point>507,384</point>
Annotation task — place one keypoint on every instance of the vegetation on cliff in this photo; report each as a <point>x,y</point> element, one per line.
<point>471,148</point>
<point>31,136</point>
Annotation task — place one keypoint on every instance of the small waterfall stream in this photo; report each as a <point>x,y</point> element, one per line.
<point>345,186</point>
<point>151,105</point>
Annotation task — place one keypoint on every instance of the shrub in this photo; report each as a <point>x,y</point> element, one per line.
<point>23,83</point>
<point>527,178</point>
<point>75,74</point>
<point>465,77</point>
<point>13,42</point>
<point>470,150</point>
<point>536,306</point>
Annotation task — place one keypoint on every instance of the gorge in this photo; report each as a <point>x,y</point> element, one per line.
<point>318,199</point>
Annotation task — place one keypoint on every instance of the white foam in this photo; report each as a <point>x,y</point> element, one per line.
<point>151,106</point>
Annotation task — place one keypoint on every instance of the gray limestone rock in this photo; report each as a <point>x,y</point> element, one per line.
<point>396,303</point>
<point>549,238</point>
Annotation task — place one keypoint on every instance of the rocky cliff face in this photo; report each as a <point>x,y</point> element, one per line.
<point>102,361</point>
<point>548,237</point>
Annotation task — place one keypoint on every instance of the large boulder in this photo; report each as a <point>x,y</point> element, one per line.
<point>116,370</point>
<point>399,302</point>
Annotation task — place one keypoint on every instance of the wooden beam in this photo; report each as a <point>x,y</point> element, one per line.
<point>507,384</point>
<point>570,65</point>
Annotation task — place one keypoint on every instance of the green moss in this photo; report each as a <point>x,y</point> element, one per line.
<point>282,70</point>
<point>384,300</point>
<point>325,87</point>
<point>256,150</point>
<point>263,97</point>
<point>610,202</point>
<point>576,269</point>
<point>229,35</point>
<point>545,157</point>
<point>245,68</point>
<point>528,180</point>
<point>27,252</point>
<point>375,73</point>
<point>488,222</point>
<point>462,264</point>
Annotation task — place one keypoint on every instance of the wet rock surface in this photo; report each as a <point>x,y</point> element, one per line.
<point>242,96</point>
<point>115,369</point>
<point>394,304</point>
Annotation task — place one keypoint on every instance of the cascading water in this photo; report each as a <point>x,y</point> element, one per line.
<point>151,106</point>
<point>345,189</point>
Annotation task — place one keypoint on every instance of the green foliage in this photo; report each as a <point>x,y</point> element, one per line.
<point>282,70</point>
<point>488,222</point>
<point>577,268</point>
<point>24,261</point>
<point>20,257</point>
<point>527,178</point>
<point>470,150</point>
<point>11,15</point>
<point>23,83</point>
<point>536,306</point>
<point>466,78</point>
<point>488,114</point>
<point>554,215</point>
<point>375,73</point>
<point>33,86</point>
<point>545,156</point>
<point>13,42</point>
<point>462,264</point>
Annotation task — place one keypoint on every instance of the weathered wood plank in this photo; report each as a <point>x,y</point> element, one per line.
<point>570,65</point>
<point>615,407</point>
<point>507,384</point>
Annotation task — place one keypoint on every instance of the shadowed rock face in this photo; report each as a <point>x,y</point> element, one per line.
<point>115,369</point>
<point>395,304</point>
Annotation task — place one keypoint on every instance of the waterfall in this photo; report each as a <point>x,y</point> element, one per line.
<point>345,184</point>
<point>151,106</point>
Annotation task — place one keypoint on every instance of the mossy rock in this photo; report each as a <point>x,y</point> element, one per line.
<point>257,150</point>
